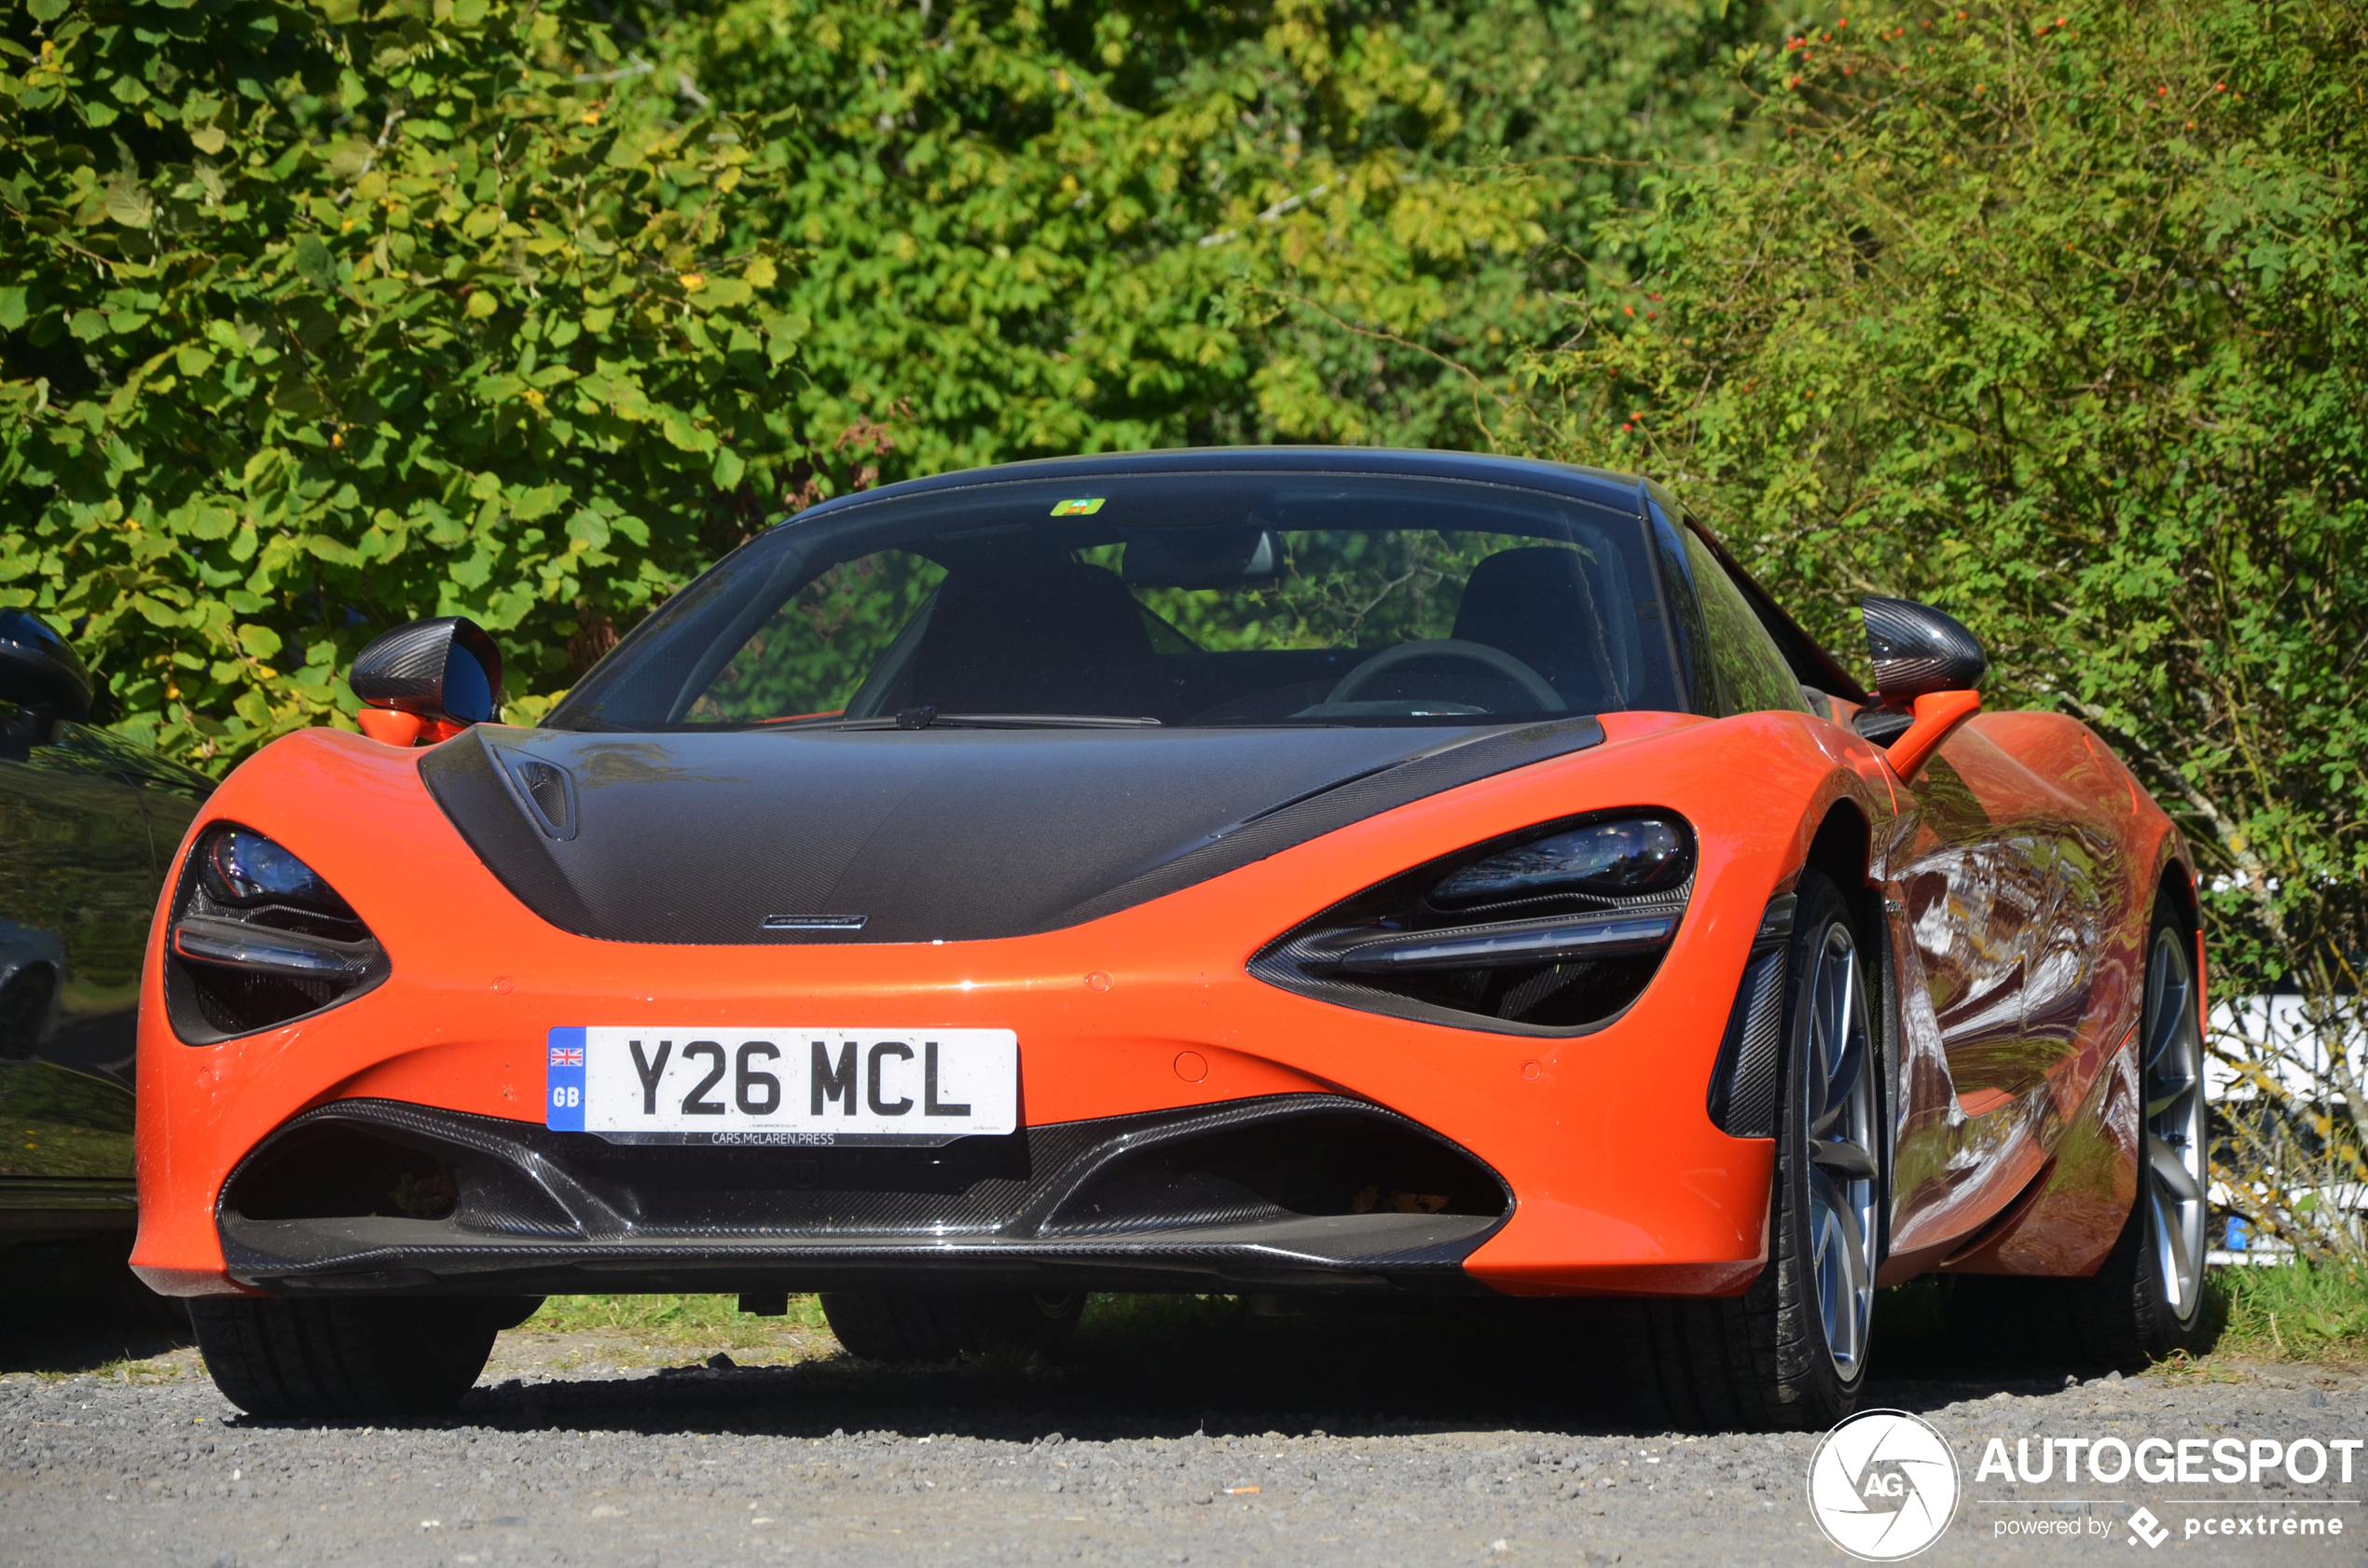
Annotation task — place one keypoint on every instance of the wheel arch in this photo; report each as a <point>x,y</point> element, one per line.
<point>1842,848</point>
<point>2175,884</point>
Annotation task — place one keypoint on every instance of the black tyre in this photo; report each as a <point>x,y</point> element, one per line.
<point>1790,1353</point>
<point>2146,1299</point>
<point>907,1326</point>
<point>376,1358</point>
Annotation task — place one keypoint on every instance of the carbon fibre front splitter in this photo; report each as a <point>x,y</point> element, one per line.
<point>1383,1252</point>
<point>1285,1193</point>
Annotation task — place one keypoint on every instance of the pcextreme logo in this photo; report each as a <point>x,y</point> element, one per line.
<point>1883,1485</point>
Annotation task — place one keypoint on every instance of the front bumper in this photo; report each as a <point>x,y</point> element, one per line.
<point>1263,1195</point>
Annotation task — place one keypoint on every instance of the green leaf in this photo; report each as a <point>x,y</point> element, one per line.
<point>313,259</point>
<point>130,204</point>
<point>589,527</point>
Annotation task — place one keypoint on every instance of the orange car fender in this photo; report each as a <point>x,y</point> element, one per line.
<point>1646,1194</point>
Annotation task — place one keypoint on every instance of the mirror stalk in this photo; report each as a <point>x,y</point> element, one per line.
<point>1937,714</point>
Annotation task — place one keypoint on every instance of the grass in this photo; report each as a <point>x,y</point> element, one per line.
<point>689,1321</point>
<point>2295,1312</point>
<point>670,1319</point>
<point>632,1329</point>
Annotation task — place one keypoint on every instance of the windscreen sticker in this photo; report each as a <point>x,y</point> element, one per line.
<point>1083,507</point>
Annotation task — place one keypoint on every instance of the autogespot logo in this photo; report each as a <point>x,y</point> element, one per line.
<point>1883,1485</point>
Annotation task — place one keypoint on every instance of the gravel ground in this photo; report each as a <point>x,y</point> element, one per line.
<point>1205,1435</point>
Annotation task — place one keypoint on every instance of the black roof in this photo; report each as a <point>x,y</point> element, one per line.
<point>1621,492</point>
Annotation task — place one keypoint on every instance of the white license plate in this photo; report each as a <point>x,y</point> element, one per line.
<point>810,1086</point>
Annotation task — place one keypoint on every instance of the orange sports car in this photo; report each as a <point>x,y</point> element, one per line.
<point>1258,871</point>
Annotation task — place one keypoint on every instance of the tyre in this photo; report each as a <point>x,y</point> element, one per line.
<point>2146,1299</point>
<point>908,1325</point>
<point>413,1357</point>
<point>1790,1353</point>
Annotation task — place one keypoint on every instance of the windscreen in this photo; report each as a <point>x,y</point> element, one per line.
<point>1189,599</point>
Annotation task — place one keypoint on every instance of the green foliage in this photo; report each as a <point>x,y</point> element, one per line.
<point>1034,232</point>
<point>1586,103</point>
<point>316,326</point>
<point>316,321</point>
<point>2059,321</point>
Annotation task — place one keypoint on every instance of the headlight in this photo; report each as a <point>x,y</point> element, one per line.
<point>244,868</point>
<point>259,939</point>
<point>1552,930</point>
<point>1636,855</point>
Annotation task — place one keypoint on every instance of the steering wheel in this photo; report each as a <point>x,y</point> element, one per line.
<point>1494,660</point>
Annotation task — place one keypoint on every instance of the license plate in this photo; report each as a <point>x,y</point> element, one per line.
<point>789,1086</point>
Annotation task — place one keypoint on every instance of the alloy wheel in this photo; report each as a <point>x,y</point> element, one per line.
<point>1838,1088</point>
<point>2175,1136</point>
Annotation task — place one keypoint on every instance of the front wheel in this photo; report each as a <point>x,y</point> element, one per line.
<point>1790,1353</point>
<point>410,1356</point>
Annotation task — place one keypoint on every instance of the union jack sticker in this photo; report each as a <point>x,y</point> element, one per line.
<point>563,1081</point>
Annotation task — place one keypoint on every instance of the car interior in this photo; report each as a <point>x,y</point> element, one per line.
<point>1217,630</point>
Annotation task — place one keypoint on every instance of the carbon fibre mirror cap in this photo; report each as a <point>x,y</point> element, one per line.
<point>1917,649</point>
<point>445,669</point>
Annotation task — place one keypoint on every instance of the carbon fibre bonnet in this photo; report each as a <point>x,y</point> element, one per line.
<point>935,834</point>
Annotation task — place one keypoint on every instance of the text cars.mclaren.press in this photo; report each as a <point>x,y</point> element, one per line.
<point>1257,871</point>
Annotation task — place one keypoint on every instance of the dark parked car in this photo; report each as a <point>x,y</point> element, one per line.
<point>89,822</point>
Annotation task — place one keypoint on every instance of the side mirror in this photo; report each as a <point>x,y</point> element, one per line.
<point>428,682</point>
<point>39,668</point>
<point>1919,650</point>
<point>1926,667</point>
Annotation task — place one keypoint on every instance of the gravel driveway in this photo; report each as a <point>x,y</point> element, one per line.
<point>1222,1439</point>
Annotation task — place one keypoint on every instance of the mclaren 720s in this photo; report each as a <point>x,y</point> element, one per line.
<point>1237,870</point>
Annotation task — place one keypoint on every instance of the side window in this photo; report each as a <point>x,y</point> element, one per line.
<point>1752,676</point>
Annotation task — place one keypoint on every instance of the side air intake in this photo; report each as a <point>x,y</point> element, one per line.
<point>1742,1086</point>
